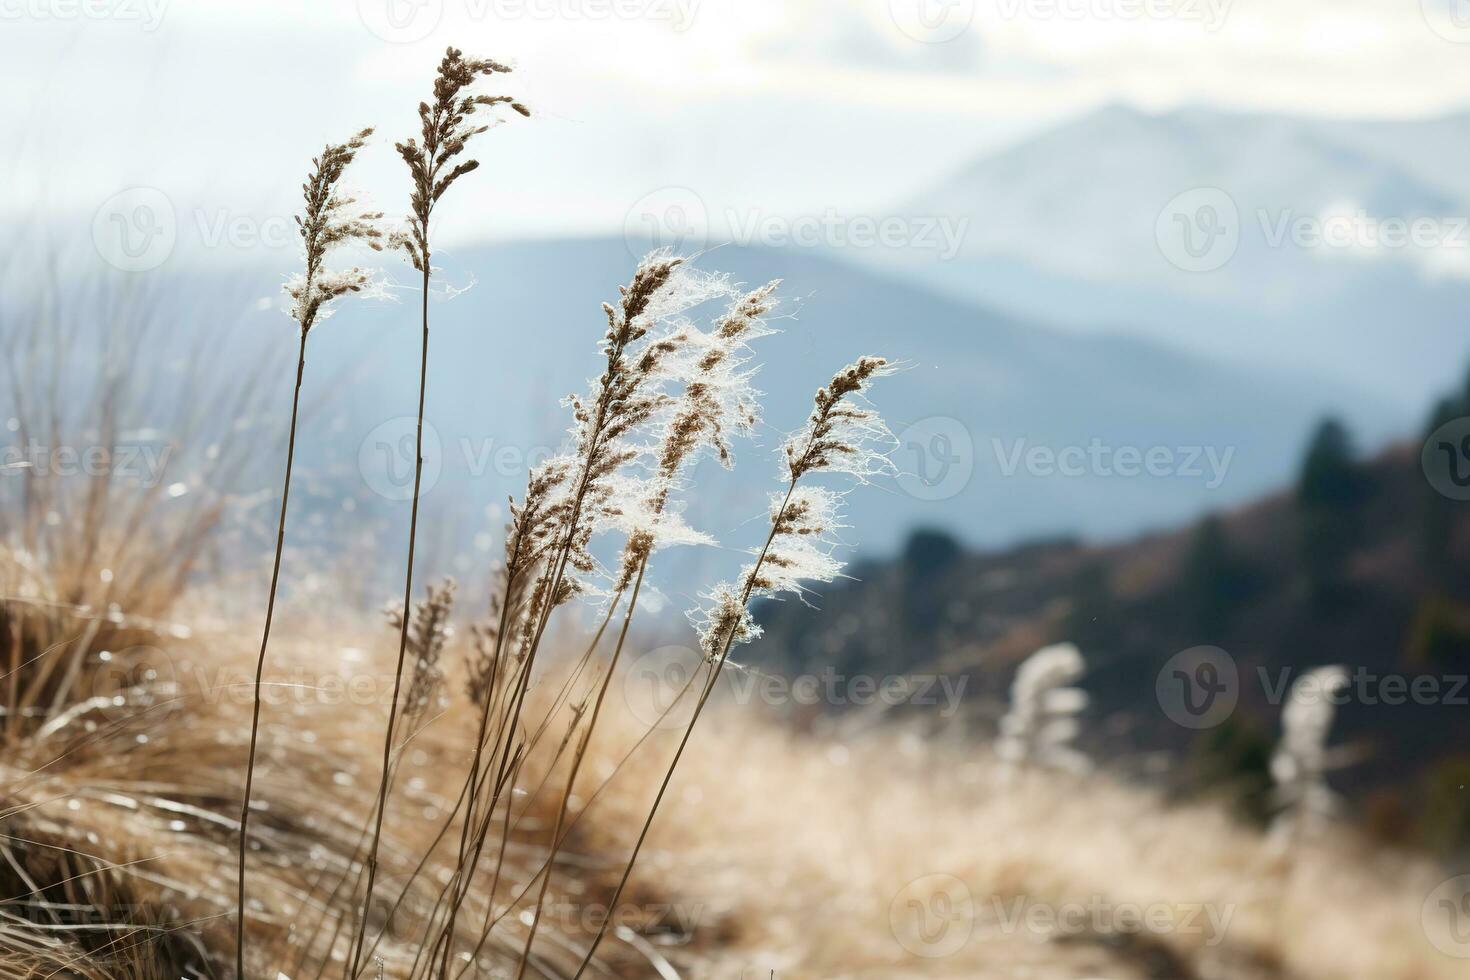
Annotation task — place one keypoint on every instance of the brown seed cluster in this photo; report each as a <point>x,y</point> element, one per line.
<point>428,632</point>
<point>328,220</point>
<point>834,412</point>
<point>445,131</point>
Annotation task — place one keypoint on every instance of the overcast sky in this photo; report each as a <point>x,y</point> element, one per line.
<point>779,106</point>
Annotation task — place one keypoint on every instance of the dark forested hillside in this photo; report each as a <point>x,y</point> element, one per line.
<point>1362,563</point>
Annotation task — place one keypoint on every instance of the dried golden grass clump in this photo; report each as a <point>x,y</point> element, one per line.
<point>875,831</point>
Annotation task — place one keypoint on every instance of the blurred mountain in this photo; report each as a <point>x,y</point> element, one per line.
<point>1092,224</point>
<point>1008,429</point>
<point>986,406</point>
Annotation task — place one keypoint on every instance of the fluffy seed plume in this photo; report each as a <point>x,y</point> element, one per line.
<point>446,130</point>
<point>1302,759</point>
<point>717,404</point>
<point>330,219</point>
<point>718,401</point>
<point>841,436</point>
<point>645,337</point>
<point>1042,721</point>
<point>428,632</point>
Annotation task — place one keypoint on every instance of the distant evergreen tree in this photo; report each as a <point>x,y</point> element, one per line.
<point>1091,623</point>
<point>1214,583</point>
<point>1437,526</point>
<point>926,592</point>
<point>930,552</point>
<point>1329,497</point>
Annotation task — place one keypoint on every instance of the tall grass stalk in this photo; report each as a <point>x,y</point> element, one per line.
<point>445,130</point>
<point>326,222</point>
<point>837,437</point>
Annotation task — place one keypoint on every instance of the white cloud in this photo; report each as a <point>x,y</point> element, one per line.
<point>774,103</point>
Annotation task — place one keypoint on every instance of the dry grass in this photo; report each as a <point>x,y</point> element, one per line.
<point>800,855</point>
<point>778,851</point>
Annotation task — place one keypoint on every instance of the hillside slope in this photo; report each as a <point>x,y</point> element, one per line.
<point>1391,605</point>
